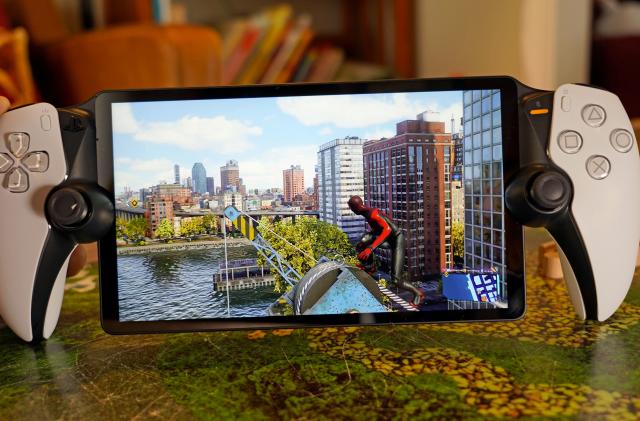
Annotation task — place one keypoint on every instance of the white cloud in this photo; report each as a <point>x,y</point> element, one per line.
<point>267,171</point>
<point>379,134</point>
<point>123,119</point>
<point>151,165</point>
<point>195,133</point>
<point>137,173</point>
<point>325,131</point>
<point>350,111</point>
<point>123,160</point>
<point>454,110</point>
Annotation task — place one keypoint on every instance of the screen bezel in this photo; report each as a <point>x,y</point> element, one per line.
<point>513,230</point>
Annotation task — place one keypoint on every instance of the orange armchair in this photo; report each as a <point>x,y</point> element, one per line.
<point>70,68</point>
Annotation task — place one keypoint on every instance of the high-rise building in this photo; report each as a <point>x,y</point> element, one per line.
<point>483,189</point>
<point>199,177</point>
<point>176,174</point>
<point>408,178</point>
<point>190,183</point>
<point>340,176</point>
<point>210,186</point>
<point>457,186</point>
<point>292,182</point>
<point>458,157</point>
<point>230,176</point>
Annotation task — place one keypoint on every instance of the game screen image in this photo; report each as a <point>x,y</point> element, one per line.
<point>309,205</point>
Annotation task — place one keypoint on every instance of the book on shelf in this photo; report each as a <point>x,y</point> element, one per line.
<point>272,45</point>
<point>289,50</point>
<point>327,64</point>
<point>278,19</point>
<point>243,48</point>
<point>231,36</point>
<point>305,66</point>
<point>296,57</point>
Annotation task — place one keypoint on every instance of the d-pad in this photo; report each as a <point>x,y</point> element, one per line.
<point>19,162</point>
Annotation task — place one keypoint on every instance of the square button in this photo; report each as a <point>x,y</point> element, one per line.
<point>571,141</point>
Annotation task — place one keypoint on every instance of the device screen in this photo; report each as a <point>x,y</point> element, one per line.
<point>309,205</point>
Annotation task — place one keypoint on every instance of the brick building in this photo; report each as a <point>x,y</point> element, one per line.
<point>230,176</point>
<point>172,192</point>
<point>157,209</point>
<point>292,182</point>
<point>408,178</point>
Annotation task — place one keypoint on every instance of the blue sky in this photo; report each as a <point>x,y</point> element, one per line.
<point>265,135</point>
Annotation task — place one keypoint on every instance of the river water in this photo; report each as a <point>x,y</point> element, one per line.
<point>178,285</point>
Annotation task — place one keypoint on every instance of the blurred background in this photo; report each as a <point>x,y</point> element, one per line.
<point>64,51</point>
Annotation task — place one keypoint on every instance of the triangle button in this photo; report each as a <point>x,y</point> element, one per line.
<point>594,115</point>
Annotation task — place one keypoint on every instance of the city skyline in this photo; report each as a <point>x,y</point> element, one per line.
<point>150,138</point>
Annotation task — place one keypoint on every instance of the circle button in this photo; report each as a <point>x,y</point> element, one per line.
<point>621,140</point>
<point>594,115</point>
<point>598,167</point>
<point>570,141</point>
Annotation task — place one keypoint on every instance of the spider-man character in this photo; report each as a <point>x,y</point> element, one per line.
<point>383,234</point>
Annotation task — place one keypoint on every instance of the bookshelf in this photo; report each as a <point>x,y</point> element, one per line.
<point>370,38</point>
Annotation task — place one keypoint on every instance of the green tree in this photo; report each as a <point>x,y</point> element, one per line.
<point>165,230</point>
<point>190,227</point>
<point>210,223</point>
<point>121,228</point>
<point>136,229</point>
<point>306,241</point>
<point>457,239</point>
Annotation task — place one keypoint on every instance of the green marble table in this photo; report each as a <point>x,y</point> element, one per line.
<point>548,365</point>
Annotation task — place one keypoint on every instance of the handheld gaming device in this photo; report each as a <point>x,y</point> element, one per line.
<point>316,204</point>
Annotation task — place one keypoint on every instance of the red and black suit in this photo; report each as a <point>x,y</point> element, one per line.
<point>384,234</point>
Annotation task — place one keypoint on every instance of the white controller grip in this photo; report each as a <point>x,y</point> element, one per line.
<point>572,285</point>
<point>55,302</point>
<point>604,169</point>
<point>24,228</point>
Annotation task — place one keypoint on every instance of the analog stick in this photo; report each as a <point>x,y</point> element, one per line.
<point>549,191</point>
<point>67,208</point>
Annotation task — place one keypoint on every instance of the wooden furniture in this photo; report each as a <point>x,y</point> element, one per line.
<point>374,31</point>
<point>549,261</point>
<point>384,29</point>
<point>16,79</point>
<point>70,68</point>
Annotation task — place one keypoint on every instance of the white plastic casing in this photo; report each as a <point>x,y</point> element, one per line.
<point>607,210</point>
<point>23,225</point>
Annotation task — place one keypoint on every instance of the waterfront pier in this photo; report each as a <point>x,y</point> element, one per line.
<point>242,274</point>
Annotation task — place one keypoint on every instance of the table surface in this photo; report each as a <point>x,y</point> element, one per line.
<point>549,364</point>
